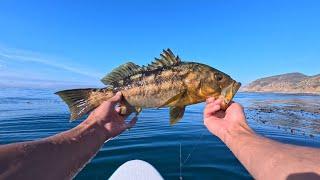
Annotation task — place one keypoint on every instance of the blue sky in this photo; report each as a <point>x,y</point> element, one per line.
<point>80,41</point>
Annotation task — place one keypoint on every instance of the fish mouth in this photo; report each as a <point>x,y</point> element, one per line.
<point>228,93</point>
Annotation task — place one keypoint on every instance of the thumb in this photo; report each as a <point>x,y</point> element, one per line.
<point>115,99</point>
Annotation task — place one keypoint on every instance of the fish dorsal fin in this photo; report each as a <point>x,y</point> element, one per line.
<point>167,59</point>
<point>121,72</point>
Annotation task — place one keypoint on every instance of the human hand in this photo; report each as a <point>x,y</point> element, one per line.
<point>223,123</point>
<point>107,115</point>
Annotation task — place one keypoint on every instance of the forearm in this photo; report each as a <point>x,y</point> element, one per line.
<point>57,157</point>
<point>268,159</point>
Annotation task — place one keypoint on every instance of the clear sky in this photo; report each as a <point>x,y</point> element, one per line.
<point>80,41</point>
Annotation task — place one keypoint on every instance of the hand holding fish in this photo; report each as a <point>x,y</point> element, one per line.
<point>107,115</point>
<point>62,156</point>
<point>222,123</point>
<point>262,157</point>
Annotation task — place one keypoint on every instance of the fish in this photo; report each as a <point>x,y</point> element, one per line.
<point>166,82</point>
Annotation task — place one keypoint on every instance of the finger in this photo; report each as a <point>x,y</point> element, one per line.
<point>132,122</point>
<point>115,99</point>
<point>210,100</point>
<point>211,109</point>
<point>213,101</point>
<point>235,107</point>
<point>218,101</point>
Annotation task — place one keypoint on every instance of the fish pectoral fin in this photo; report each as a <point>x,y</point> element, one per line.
<point>176,113</point>
<point>138,110</point>
<point>175,98</point>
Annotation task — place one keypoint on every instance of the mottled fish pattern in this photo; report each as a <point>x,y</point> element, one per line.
<point>166,82</point>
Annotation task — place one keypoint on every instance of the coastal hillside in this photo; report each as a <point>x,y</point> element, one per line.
<point>286,83</point>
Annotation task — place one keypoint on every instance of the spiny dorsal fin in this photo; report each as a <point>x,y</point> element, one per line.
<point>121,72</point>
<point>167,59</point>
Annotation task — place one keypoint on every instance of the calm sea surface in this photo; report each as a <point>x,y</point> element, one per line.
<point>29,114</point>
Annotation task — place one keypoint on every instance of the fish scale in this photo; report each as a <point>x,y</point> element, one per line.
<point>166,82</point>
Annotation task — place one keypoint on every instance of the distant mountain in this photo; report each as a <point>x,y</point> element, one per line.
<point>286,83</point>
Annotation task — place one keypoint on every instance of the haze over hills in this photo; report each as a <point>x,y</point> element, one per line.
<point>285,83</point>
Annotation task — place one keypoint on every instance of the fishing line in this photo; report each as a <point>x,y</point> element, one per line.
<point>181,164</point>
<point>193,148</point>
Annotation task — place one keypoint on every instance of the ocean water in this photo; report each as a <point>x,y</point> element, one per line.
<point>29,114</point>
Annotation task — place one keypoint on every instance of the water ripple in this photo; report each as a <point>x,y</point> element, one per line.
<point>28,114</point>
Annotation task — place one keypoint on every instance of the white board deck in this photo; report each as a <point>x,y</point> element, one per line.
<point>136,170</point>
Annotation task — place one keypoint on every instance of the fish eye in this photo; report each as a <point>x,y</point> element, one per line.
<point>218,77</point>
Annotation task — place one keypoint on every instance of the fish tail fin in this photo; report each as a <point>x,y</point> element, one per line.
<point>82,101</point>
